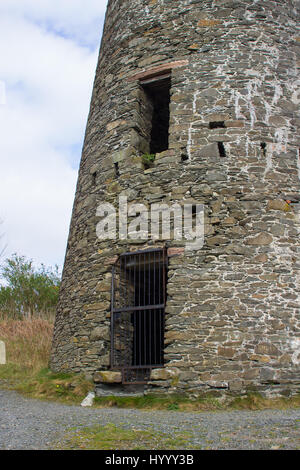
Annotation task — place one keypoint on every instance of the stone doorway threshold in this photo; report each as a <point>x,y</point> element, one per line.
<point>119,390</point>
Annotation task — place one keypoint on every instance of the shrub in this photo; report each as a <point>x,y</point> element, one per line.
<point>29,291</point>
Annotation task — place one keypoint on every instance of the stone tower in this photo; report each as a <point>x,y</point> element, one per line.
<point>194,102</point>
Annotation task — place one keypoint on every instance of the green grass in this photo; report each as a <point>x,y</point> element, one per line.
<point>252,401</point>
<point>44,384</point>
<point>255,401</point>
<point>112,437</point>
<point>159,402</point>
<point>148,159</point>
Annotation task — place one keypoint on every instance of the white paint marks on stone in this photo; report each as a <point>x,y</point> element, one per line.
<point>296,93</point>
<point>190,131</point>
<point>195,102</point>
<point>277,93</point>
<point>89,399</point>
<point>248,143</point>
<point>298,163</point>
<point>248,15</point>
<point>235,97</point>
<point>189,142</point>
<point>295,345</point>
<point>220,69</point>
<point>2,353</point>
<point>269,163</point>
<point>281,136</point>
<point>252,88</point>
<point>268,109</point>
<point>237,106</point>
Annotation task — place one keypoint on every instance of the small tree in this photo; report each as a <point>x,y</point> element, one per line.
<point>30,291</point>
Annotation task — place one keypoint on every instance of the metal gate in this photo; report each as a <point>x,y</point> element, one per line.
<point>138,314</point>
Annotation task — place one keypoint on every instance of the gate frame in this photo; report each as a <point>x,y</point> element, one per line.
<point>148,368</point>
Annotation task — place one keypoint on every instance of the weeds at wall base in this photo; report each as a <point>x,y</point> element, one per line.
<point>44,384</point>
<point>72,388</point>
<point>251,401</point>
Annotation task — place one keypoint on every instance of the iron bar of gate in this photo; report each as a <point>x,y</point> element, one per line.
<point>142,252</point>
<point>135,309</point>
<point>112,342</point>
<point>134,314</point>
<point>143,366</point>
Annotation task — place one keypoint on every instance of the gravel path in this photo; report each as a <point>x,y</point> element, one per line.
<point>33,424</point>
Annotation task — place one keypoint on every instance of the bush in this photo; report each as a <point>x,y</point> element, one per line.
<point>29,291</point>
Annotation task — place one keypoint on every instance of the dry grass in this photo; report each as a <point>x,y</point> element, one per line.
<point>28,345</point>
<point>28,342</point>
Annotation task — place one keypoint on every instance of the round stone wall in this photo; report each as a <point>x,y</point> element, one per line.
<point>232,310</point>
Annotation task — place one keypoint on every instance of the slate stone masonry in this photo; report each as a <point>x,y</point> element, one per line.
<point>232,313</point>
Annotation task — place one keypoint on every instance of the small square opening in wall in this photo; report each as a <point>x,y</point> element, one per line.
<point>117,171</point>
<point>94,178</point>
<point>217,125</point>
<point>263,147</point>
<point>184,157</point>
<point>157,93</point>
<point>222,150</point>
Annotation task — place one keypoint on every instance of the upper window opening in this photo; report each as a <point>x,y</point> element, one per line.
<point>222,150</point>
<point>216,124</point>
<point>263,147</point>
<point>117,172</point>
<point>94,178</point>
<point>157,92</point>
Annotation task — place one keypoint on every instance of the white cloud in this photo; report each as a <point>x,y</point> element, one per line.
<point>48,80</point>
<point>77,18</point>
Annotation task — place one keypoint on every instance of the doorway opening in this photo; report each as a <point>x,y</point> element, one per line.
<point>138,314</point>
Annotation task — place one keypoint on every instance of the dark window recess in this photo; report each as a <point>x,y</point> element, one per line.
<point>94,178</point>
<point>217,124</point>
<point>157,91</point>
<point>263,147</point>
<point>184,157</point>
<point>222,150</point>
<point>117,172</point>
<point>137,320</point>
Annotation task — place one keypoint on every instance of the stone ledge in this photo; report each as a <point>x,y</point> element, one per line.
<point>175,251</point>
<point>164,374</point>
<point>108,377</point>
<point>157,70</point>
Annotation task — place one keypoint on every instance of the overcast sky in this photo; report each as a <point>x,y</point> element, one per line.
<point>48,54</point>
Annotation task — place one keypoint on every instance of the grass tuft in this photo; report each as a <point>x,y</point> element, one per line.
<point>255,401</point>
<point>112,437</point>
